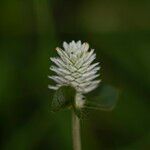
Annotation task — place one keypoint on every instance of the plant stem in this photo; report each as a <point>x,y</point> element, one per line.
<point>76,132</point>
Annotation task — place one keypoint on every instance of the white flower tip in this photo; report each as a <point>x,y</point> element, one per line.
<point>85,46</point>
<point>98,81</point>
<point>73,42</point>
<point>52,58</point>
<point>65,45</point>
<point>78,44</point>
<point>58,49</point>
<point>53,87</point>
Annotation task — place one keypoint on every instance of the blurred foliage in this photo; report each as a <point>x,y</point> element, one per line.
<point>119,31</point>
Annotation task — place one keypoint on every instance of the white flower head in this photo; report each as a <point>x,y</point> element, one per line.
<point>74,68</point>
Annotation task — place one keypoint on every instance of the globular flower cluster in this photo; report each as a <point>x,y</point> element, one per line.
<point>74,68</point>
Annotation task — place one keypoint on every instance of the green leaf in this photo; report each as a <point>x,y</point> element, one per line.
<point>106,98</point>
<point>63,97</point>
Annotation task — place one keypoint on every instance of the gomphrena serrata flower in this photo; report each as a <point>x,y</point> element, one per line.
<point>74,67</point>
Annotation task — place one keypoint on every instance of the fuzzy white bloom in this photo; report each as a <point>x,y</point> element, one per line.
<point>74,68</point>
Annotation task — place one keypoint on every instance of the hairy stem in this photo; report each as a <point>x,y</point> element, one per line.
<point>76,132</point>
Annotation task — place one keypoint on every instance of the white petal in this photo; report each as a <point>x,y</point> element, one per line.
<point>60,71</point>
<point>90,88</point>
<point>58,79</point>
<point>81,80</point>
<point>89,61</point>
<point>53,87</point>
<point>76,75</point>
<point>63,56</point>
<point>64,71</point>
<point>78,44</point>
<point>56,70</point>
<point>79,63</point>
<point>61,52</point>
<point>58,62</point>
<point>96,82</point>
<point>70,78</point>
<point>88,74</point>
<point>82,69</point>
<point>89,54</point>
<point>85,47</point>
<point>73,57</point>
<point>71,68</point>
<point>92,77</point>
<point>85,84</point>
<point>92,66</point>
<point>65,45</point>
<point>81,59</point>
<point>74,84</point>
<point>95,69</point>
<point>73,45</point>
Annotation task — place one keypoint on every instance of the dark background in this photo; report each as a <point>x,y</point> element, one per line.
<point>30,30</point>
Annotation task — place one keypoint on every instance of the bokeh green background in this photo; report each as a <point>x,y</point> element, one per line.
<point>30,30</point>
